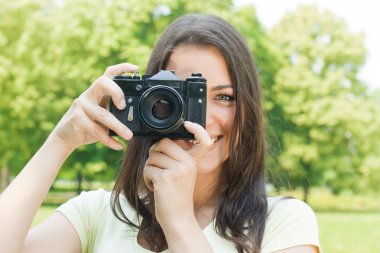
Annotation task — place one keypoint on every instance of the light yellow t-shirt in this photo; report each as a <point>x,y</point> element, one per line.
<point>290,223</point>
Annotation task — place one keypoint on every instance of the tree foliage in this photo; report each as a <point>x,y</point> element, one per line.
<point>325,106</point>
<point>319,112</point>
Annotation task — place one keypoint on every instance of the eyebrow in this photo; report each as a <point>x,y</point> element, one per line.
<point>221,87</point>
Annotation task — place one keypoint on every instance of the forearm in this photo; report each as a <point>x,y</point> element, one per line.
<point>187,238</point>
<point>21,200</point>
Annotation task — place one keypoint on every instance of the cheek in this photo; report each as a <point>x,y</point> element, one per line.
<point>226,119</point>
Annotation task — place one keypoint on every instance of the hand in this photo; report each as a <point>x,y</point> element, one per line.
<point>87,120</point>
<point>170,172</point>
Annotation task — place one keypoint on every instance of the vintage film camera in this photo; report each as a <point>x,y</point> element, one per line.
<point>158,105</point>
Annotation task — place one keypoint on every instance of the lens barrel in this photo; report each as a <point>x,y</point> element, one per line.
<point>161,108</point>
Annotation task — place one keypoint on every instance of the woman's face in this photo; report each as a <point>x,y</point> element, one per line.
<point>208,61</point>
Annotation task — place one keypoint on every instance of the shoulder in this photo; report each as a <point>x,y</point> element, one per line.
<point>92,216</point>
<point>290,222</point>
<point>285,208</point>
<point>94,202</point>
<point>86,206</point>
<point>89,199</point>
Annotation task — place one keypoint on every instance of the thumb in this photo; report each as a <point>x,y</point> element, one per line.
<point>202,138</point>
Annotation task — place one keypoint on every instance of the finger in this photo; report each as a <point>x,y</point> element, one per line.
<point>151,175</point>
<point>99,133</point>
<point>169,148</point>
<point>107,119</point>
<point>161,160</point>
<point>119,69</point>
<point>103,88</point>
<point>201,136</point>
<point>102,135</point>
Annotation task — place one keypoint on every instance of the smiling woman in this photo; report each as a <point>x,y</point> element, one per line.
<point>221,106</point>
<point>171,195</point>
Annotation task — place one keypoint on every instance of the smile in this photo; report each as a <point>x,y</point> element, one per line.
<point>213,139</point>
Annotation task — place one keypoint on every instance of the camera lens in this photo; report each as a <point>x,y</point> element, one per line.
<point>161,108</point>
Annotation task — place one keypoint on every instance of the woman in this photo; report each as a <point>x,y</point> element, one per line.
<point>173,195</point>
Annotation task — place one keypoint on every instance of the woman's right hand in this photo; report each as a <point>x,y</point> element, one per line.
<point>87,120</point>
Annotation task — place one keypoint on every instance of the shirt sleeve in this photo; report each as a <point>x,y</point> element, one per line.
<point>290,223</point>
<point>83,212</point>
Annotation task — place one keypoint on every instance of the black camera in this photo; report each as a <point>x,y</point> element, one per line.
<point>158,105</point>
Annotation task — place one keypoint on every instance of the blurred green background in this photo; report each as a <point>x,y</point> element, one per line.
<point>323,122</point>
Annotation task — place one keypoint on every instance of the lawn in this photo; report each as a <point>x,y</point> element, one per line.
<point>349,232</point>
<point>340,232</point>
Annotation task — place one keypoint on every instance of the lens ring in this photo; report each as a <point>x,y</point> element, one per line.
<point>169,120</point>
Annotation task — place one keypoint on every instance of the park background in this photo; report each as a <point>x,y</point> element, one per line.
<point>323,121</point>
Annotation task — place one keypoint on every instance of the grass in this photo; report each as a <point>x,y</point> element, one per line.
<point>340,232</point>
<point>322,200</point>
<point>349,232</point>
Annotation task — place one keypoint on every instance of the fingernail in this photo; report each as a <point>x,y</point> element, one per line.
<point>122,103</point>
<point>128,134</point>
<point>187,123</point>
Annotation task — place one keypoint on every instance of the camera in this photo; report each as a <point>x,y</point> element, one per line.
<point>158,105</point>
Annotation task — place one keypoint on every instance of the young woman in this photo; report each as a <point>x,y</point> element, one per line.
<point>170,195</point>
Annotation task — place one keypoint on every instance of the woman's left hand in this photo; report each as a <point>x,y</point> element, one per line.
<point>170,172</point>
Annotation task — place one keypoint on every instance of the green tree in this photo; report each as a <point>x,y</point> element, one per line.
<point>17,126</point>
<point>323,101</point>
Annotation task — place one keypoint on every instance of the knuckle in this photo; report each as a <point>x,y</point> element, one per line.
<point>164,142</point>
<point>101,80</point>
<point>77,103</point>
<point>148,161</point>
<point>109,70</point>
<point>153,147</point>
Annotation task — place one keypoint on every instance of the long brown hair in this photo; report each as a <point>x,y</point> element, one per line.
<point>242,207</point>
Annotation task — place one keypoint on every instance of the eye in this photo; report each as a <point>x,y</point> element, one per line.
<point>225,97</point>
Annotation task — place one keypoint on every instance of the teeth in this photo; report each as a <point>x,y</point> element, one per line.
<point>194,142</point>
<point>197,142</point>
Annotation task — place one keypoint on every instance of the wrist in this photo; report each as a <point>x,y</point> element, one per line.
<point>55,142</point>
<point>182,235</point>
<point>178,229</point>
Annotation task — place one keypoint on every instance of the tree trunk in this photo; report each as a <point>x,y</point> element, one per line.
<point>306,189</point>
<point>79,181</point>
<point>306,182</point>
<point>4,178</point>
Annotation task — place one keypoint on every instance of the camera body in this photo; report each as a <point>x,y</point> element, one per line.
<point>158,105</point>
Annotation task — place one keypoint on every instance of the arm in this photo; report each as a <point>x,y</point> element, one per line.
<point>21,200</point>
<point>85,122</point>
<point>56,234</point>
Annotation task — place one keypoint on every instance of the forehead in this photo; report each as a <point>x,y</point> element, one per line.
<point>208,61</point>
